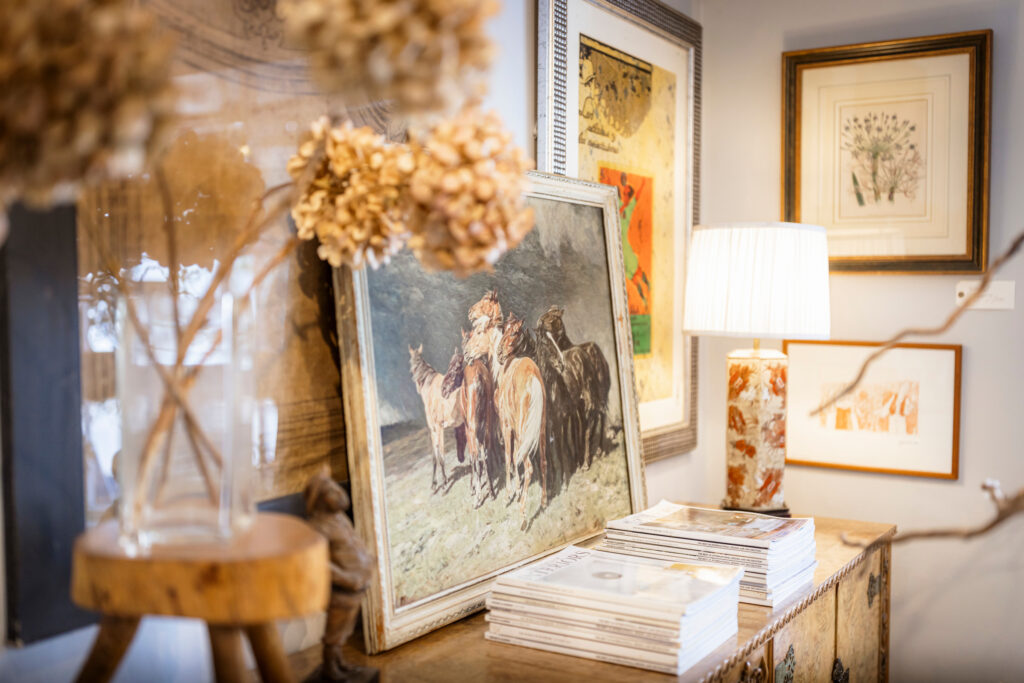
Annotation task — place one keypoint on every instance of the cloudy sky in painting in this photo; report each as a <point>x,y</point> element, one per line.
<point>562,262</point>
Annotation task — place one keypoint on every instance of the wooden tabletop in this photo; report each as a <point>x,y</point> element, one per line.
<point>460,652</point>
<point>275,570</point>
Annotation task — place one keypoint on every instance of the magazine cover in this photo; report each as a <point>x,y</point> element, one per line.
<point>671,518</point>
<point>619,578</point>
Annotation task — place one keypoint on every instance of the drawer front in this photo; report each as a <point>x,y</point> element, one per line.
<point>804,649</point>
<point>858,620</point>
<point>753,669</point>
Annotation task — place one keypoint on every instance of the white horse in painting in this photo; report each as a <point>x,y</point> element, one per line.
<point>442,411</point>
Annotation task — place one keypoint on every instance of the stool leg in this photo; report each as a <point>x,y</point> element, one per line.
<point>270,657</point>
<point>108,649</point>
<point>228,660</point>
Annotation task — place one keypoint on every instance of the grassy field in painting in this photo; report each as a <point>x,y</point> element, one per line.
<point>438,540</point>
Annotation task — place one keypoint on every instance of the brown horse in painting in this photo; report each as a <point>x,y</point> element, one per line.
<point>473,381</point>
<point>520,401</point>
<point>442,411</point>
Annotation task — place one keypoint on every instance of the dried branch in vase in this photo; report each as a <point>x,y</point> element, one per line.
<point>961,308</point>
<point>355,204</point>
<point>1006,507</point>
<point>425,55</point>
<point>85,93</point>
<point>467,189</point>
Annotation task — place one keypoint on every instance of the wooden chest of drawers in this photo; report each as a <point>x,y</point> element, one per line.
<point>838,630</point>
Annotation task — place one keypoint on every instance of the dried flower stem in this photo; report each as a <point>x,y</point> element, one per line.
<point>926,331</point>
<point>1006,507</point>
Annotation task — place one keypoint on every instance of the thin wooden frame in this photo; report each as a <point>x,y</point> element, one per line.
<point>555,73</point>
<point>976,44</point>
<point>386,624</point>
<point>954,471</point>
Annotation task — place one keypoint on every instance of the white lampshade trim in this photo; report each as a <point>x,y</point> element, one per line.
<point>767,280</point>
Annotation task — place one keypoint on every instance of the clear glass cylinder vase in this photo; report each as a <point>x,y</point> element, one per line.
<point>187,397</point>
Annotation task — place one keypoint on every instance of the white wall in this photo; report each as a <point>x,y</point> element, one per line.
<point>957,610</point>
<point>957,607</point>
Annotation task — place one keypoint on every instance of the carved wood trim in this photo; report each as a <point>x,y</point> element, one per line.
<point>767,633</point>
<point>885,593</point>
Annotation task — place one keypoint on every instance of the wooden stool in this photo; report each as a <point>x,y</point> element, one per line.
<point>276,570</point>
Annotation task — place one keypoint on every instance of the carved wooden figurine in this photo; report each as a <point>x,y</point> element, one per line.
<point>351,569</point>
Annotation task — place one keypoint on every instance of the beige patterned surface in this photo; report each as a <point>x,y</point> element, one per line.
<point>857,628</point>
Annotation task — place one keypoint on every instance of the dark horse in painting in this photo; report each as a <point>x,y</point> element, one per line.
<point>562,423</point>
<point>587,379</point>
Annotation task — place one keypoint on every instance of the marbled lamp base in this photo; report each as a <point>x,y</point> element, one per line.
<point>755,451</point>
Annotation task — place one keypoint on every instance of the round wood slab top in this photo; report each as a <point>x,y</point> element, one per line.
<point>278,569</point>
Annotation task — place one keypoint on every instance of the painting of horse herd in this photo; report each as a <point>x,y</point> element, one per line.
<point>499,405</point>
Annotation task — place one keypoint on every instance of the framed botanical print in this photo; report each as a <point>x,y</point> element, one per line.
<point>886,145</point>
<point>903,417</point>
<point>619,103</point>
<point>491,420</point>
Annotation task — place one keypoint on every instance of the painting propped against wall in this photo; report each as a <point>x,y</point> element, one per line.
<point>903,417</point>
<point>492,419</point>
<point>886,145</point>
<point>618,103</point>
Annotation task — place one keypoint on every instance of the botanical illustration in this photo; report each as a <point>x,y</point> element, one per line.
<point>882,157</point>
<point>627,124</point>
<point>636,221</point>
<point>880,407</point>
<point>499,405</point>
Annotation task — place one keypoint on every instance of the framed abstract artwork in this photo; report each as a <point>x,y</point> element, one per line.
<point>619,103</point>
<point>903,417</point>
<point>886,145</point>
<point>491,420</point>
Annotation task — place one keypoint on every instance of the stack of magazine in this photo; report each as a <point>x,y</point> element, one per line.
<point>776,554</point>
<point>641,612</point>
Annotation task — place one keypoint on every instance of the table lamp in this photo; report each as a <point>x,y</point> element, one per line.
<point>759,280</point>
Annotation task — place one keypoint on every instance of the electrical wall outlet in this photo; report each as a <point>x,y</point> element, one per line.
<point>998,295</point>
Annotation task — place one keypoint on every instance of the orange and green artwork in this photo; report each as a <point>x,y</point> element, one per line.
<point>627,139</point>
<point>636,220</point>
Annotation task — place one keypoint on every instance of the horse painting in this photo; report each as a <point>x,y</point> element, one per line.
<point>587,378</point>
<point>473,381</point>
<point>562,421</point>
<point>520,402</point>
<point>441,411</point>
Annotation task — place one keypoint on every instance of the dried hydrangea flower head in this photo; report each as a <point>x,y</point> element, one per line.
<point>84,93</point>
<point>355,203</point>
<point>424,55</point>
<point>467,193</point>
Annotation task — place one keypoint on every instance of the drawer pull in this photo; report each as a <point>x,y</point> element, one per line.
<point>839,674</point>
<point>874,587</point>
<point>754,674</point>
<point>785,670</point>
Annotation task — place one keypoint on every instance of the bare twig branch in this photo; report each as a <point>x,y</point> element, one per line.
<point>926,331</point>
<point>1006,507</point>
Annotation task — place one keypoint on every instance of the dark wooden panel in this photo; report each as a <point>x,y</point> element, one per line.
<point>40,398</point>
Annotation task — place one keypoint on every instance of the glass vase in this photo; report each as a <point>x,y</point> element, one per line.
<point>187,397</point>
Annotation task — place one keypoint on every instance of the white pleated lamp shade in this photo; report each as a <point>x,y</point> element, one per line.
<point>765,280</point>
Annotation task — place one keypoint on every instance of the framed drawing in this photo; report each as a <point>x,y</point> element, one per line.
<point>452,482</point>
<point>903,418</point>
<point>886,145</point>
<point>618,99</point>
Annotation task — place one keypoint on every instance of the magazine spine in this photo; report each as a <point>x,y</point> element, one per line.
<point>609,621</point>
<point>586,654</point>
<point>587,598</point>
<point>667,660</point>
<point>579,631</point>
